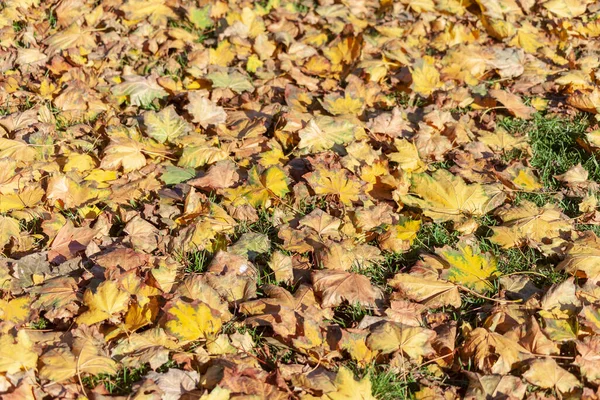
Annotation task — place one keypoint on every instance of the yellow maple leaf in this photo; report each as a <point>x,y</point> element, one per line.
<point>79,162</point>
<point>123,152</point>
<point>547,374</point>
<point>60,364</point>
<point>336,183</point>
<point>17,354</point>
<point>272,183</point>
<point>426,78</point>
<point>347,388</point>
<point>445,197</point>
<point>338,105</point>
<point>191,321</point>
<point>414,342</point>
<point>26,198</point>
<point>323,133</point>
<point>470,268</point>
<point>527,222</point>
<point>105,302</point>
<point>156,11</point>
<point>9,228</point>
<point>16,310</point>
<point>407,156</point>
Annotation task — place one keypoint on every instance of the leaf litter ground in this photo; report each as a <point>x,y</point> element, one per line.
<point>305,200</point>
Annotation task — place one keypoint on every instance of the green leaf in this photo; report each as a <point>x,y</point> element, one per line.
<point>166,125</point>
<point>200,17</point>
<point>236,81</point>
<point>174,175</point>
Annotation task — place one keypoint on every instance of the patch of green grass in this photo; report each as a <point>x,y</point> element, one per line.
<point>18,26</point>
<point>588,227</point>
<point>41,323</point>
<point>119,384</point>
<point>197,261</point>
<point>349,315</point>
<point>554,144</point>
<point>527,261</point>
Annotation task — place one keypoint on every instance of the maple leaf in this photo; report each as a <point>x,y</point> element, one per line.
<point>166,125</point>
<point>103,303</point>
<point>444,197</point>
<point>513,103</point>
<point>338,105</point>
<point>28,197</point>
<point>191,321</point>
<point>204,111</point>
<point>123,152</point>
<point>495,386</point>
<point>429,291</point>
<point>470,268</point>
<point>235,81</point>
<point>426,78</point>
<point>155,10</point>
<point>492,352</point>
<point>414,342</point>
<point>272,183</point>
<point>9,228</point>
<point>547,374</point>
<point>198,152</point>
<point>17,353</point>
<point>527,222</point>
<point>323,133</point>
<point>16,310</point>
<point>335,287</point>
<point>348,388</point>
<point>588,359</point>
<point>69,241</point>
<point>141,90</point>
<point>334,182</point>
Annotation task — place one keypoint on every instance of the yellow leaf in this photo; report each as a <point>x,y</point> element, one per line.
<point>104,303</point>
<point>338,105</point>
<point>494,353</point>
<point>414,342</point>
<point>347,388</point>
<point>79,162</point>
<point>222,55</point>
<point>407,156</point>
<point>470,268</point>
<point>566,8</point>
<point>155,10</point>
<point>29,197</point>
<point>16,310</point>
<point>426,78</point>
<point>445,197</point>
<point>166,125</point>
<point>9,228</point>
<point>513,103</point>
<point>335,182</point>
<point>400,236</point>
<point>191,321</point>
<point>253,63</point>
<point>17,354</point>
<point>323,133</point>
<point>428,291</point>
<point>123,152</point>
<point>547,374</point>
<point>18,150</point>
<point>529,223</point>
<point>273,183</point>
<point>58,365</point>
<point>217,394</point>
